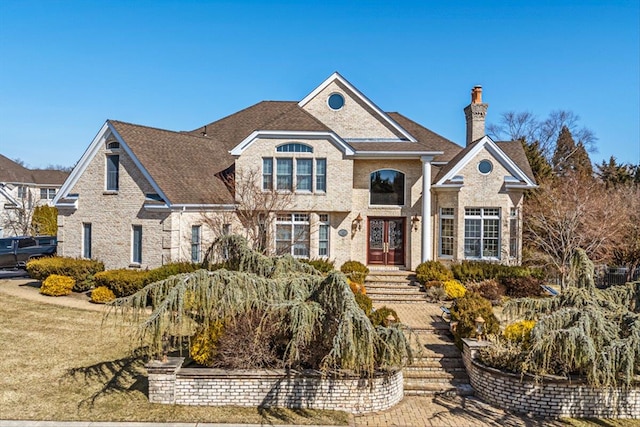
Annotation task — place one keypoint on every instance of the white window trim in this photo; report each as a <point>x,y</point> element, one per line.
<point>135,262</point>
<point>292,222</point>
<point>440,235</point>
<point>324,223</point>
<point>294,157</point>
<point>483,217</point>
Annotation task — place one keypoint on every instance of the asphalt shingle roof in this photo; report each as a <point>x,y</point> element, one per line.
<point>10,171</point>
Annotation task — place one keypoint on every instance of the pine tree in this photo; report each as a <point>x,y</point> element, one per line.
<point>562,160</point>
<point>581,162</point>
<point>539,165</point>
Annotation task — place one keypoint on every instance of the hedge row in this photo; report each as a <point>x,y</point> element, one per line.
<point>81,270</point>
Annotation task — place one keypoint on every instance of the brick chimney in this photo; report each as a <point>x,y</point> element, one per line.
<point>475,114</point>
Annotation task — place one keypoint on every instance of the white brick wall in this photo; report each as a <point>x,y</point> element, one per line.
<point>548,397</point>
<point>170,384</point>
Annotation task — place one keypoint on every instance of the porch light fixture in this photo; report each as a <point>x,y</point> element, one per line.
<point>415,222</point>
<point>479,327</point>
<point>358,222</point>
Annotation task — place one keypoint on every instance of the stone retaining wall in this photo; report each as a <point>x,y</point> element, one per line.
<point>171,384</point>
<point>550,397</point>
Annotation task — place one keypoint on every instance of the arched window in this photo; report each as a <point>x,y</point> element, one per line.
<point>294,147</point>
<point>114,145</point>
<point>386,187</point>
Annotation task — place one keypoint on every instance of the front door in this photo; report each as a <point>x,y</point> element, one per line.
<point>386,241</point>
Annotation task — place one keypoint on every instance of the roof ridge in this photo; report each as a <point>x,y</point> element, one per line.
<point>238,112</point>
<point>177,132</point>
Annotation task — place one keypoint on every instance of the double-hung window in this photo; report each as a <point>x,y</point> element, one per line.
<point>323,235</point>
<point>284,174</point>
<point>113,165</point>
<point>304,175</point>
<point>514,243</point>
<point>482,233</point>
<point>446,232</point>
<point>47,193</point>
<point>292,234</point>
<point>321,175</point>
<point>267,173</point>
<point>196,239</point>
<point>136,246</point>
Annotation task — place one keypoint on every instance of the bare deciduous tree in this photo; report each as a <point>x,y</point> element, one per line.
<point>568,213</point>
<point>17,219</point>
<point>256,209</point>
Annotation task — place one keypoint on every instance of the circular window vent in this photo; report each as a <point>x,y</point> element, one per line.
<point>485,167</point>
<point>336,101</point>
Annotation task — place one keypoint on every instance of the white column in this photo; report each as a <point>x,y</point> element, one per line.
<point>427,234</point>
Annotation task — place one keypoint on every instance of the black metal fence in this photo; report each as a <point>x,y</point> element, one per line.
<point>605,276</point>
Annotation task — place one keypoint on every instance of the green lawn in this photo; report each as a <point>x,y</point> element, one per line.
<point>59,363</point>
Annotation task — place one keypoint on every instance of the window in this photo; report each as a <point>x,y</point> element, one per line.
<point>323,235</point>
<point>114,145</point>
<point>482,233</point>
<point>267,174</point>
<point>294,147</point>
<point>86,240</point>
<point>292,234</point>
<point>485,167</point>
<point>304,174</point>
<point>446,232</point>
<point>321,175</point>
<point>22,192</point>
<point>47,193</point>
<point>136,253</point>
<point>514,243</point>
<point>113,163</point>
<point>335,101</point>
<point>387,188</point>
<point>195,243</point>
<point>284,177</point>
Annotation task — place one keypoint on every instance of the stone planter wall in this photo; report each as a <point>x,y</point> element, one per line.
<point>550,397</point>
<point>171,384</point>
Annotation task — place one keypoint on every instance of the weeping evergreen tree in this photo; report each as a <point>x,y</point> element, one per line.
<point>583,331</point>
<point>317,315</point>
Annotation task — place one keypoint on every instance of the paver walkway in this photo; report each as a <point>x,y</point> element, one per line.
<point>412,411</point>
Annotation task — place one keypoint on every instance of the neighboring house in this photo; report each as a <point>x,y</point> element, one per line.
<point>21,190</point>
<point>142,197</point>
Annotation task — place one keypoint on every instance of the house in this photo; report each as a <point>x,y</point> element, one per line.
<point>360,183</point>
<point>21,190</point>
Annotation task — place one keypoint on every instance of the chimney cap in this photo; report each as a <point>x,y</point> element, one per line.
<point>476,94</point>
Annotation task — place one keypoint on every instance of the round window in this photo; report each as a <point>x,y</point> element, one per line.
<point>485,167</point>
<point>336,101</point>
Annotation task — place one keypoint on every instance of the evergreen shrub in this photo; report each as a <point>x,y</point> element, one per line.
<point>431,273</point>
<point>81,270</point>
<point>102,295</point>
<point>355,271</point>
<point>56,285</point>
<point>169,270</point>
<point>122,282</point>
<point>490,289</point>
<point>465,310</point>
<point>380,316</point>
<point>364,302</point>
<point>477,271</point>
<point>454,289</point>
<point>320,264</point>
<point>519,332</point>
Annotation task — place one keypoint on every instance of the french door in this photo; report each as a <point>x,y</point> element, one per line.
<point>386,241</point>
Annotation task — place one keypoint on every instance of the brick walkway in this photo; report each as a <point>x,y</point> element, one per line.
<point>441,410</point>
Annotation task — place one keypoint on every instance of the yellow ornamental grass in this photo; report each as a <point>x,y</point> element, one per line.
<point>519,332</point>
<point>454,289</point>
<point>356,288</point>
<point>56,285</point>
<point>102,295</point>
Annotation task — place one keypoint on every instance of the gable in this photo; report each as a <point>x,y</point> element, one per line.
<point>354,117</point>
<point>467,162</point>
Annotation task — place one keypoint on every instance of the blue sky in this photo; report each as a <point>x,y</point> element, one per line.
<point>67,66</point>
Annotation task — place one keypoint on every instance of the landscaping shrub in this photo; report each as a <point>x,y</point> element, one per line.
<point>453,289</point>
<point>56,285</point>
<point>432,271</point>
<point>490,289</point>
<point>436,293</point>
<point>355,271</point>
<point>519,332</point>
<point>380,316</point>
<point>204,344</point>
<point>521,287</point>
<point>356,288</point>
<point>320,264</point>
<point>122,282</point>
<point>102,295</point>
<point>477,271</point>
<point>81,270</point>
<point>364,302</point>
<point>465,310</point>
<point>169,270</point>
